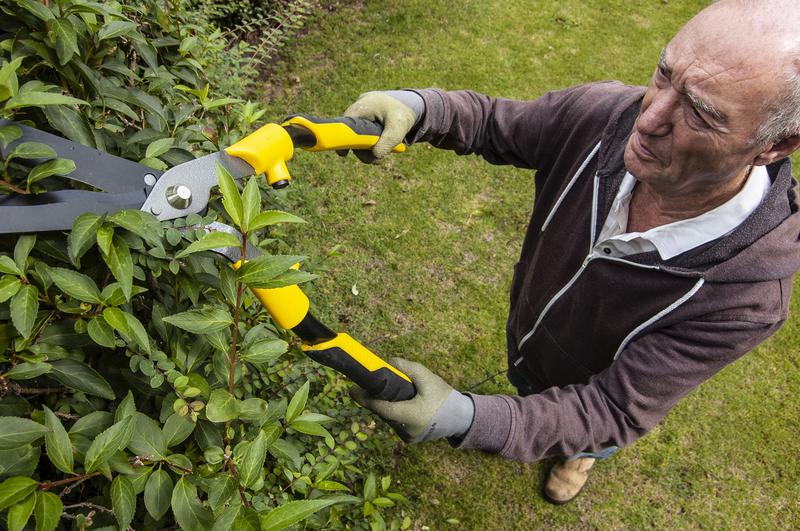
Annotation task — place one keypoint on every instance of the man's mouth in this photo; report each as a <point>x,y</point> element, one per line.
<point>642,151</point>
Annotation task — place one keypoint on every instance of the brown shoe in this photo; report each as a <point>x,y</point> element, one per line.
<point>566,479</point>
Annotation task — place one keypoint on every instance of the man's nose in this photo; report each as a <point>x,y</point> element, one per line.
<point>656,118</point>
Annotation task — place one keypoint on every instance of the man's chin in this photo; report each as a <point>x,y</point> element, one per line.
<point>643,170</point>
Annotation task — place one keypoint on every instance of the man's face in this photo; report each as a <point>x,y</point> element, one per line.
<point>700,112</point>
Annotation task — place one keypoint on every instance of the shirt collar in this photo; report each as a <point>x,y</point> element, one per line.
<point>678,237</point>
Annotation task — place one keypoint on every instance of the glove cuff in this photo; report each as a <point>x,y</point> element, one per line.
<point>411,99</point>
<point>452,419</point>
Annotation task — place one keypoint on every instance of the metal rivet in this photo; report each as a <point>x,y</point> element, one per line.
<point>149,179</point>
<point>179,196</point>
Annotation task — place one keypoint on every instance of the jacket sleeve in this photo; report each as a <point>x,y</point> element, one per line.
<point>519,133</point>
<point>618,405</point>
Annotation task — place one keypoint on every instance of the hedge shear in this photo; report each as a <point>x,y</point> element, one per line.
<point>185,189</point>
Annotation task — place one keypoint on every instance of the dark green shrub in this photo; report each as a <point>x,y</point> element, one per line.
<point>140,383</point>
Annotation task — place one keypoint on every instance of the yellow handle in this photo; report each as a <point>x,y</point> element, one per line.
<point>287,305</point>
<point>266,150</point>
<point>340,133</point>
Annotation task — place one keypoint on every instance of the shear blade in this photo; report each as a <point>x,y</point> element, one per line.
<point>186,188</point>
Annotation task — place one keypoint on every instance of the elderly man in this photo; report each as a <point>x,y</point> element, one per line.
<point>661,247</point>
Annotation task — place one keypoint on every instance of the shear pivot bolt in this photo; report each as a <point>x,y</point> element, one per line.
<point>179,196</point>
<point>149,179</point>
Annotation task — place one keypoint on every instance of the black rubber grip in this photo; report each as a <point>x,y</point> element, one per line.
<point>358,125</point>
<point>382,384</point>
<point>311,331</point>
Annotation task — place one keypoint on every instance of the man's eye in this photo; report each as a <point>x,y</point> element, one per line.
<point>699,118</point>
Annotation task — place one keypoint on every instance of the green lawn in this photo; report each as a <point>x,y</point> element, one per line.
<point>428,240</point>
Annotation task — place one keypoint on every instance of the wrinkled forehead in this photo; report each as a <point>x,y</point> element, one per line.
<point>731,59</point>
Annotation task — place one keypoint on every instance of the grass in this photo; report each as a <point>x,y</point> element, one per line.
<point>428,239</point>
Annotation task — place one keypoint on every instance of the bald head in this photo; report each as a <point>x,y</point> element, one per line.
<point>757,39</point>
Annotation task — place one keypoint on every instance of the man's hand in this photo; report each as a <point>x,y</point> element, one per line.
<point>437,411</point>
<point>388,109</point>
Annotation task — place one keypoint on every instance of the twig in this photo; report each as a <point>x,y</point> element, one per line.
<point>76,479</point>
<point>89,506</point>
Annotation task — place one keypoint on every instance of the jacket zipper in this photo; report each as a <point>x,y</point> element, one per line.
<point>586,261</point>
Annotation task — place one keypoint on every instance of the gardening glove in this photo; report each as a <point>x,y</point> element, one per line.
<point>397,110</point>
<point>437,410</point>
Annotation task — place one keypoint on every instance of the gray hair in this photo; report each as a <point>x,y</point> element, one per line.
<point>783,115</point>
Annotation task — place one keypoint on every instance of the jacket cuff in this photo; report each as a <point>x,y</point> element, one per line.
<point>433,116</point>
<point>491,424</point>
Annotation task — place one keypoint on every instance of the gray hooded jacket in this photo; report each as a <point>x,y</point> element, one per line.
<point>616,342</point>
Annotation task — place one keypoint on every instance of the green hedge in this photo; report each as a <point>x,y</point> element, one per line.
<point>141,385</point>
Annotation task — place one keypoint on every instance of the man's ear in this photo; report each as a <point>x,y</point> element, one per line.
<point>782,148</point>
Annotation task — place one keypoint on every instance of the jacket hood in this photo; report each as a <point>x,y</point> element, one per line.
<point>766,246</point>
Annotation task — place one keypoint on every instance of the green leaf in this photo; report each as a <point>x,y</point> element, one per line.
<point>7,265</point>
<point>212,240</point>
<point>8,133</point>
<point>231,199</point>
<point>253,409</point>
<point>272,217</point>
<point>157,494</point>
<point>47,511</point>
<point>82,236</point>
<point>283,449</point>
<point>264,268</point>
<point>252,460</point>
<point>50,168</point>
<point>76,285</point>
<point>91,425</point>
<point>265,351</point>
<point>147,439</point>
<point>57,443</point>
<point>20,513</point>
<point>188,511</point>
<point>65,38</point>
<point>28,370</point>
<point>204,321</point>
<point>176,429</point>
<point>9,286</point>
<point>101,333</point>
<point>37,9</point>
<point>123,501</point>
<point>370,487</point>
<point>126,408</point>
<point>296,511</point>
<point>119,261</point>
<point>31,150</point>
<point>15,489</point>
<point>312,428</point>
<point>38,99</point>
<point>81,377</point>
<point>70,123</point>
<point>129,326</point>
<point>237,517</point>
<point>328,485</point>
<point>144,225</point>
<point>116,28</point>
<point>287,278</point>
<point>298,403</point>
<point>105,235</point>
<point>159,147</point>
<point>221,489</point>
<point>22,249</point>
<point>108,443</point>
<point>251,203</point>
<point>222,406</point>
<point>24,307</point>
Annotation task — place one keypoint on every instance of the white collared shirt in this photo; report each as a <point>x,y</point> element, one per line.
<point>678,237</point>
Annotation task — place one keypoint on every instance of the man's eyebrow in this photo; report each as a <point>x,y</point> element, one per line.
<point>662,63</point>
<point>707,108</point>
